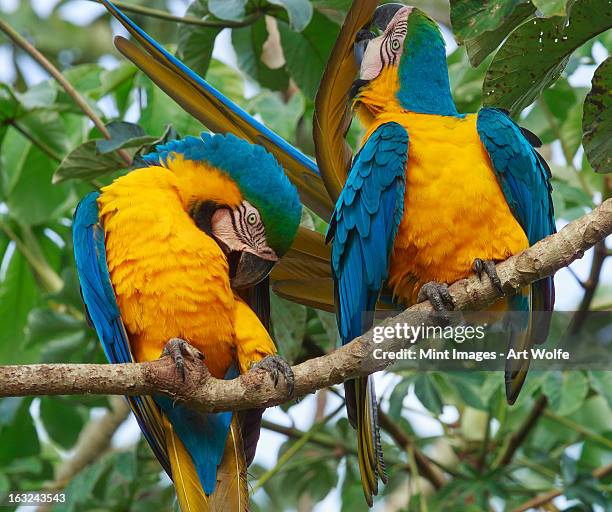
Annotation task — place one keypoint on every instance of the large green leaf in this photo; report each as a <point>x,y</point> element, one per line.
<point>232,10</point>
<point>18,438</point>
<point>61,420</point>
<point>248,43</point>
<point>196,43</point>
<point>306,52</point>
<point>85,163</point>
<point>288,326</point>
<point>597,119</point>
<point>18,294</point>
<point>536,53</point>
<point>299,12</point>
<point>482,26</point>
<point>30,195</point>
<point>566,391</point>
<point>279,116</point>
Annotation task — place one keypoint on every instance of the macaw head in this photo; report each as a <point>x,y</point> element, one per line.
<point>400,44</point>
<point>238,194</point>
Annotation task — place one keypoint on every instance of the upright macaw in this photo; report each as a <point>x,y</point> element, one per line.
<point>160,254</point>
<point>432,195</point>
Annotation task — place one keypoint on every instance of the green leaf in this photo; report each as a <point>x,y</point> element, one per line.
<point>8,103</point>
<point>195,43</point>
<point>566,391</point>
<point>482,26</point>
<point>597,120</point>
<point>19,438</point>
<point>248,43</point>
<point>123,135</point>
<point>428,394</point>
<point>279,116</point>
<point>18,294</point>
<point>306,52</point>
<point>601,381</point>
<point>232,10</point>
<point>41,95</point>
<point>46,325</point>
<point>160,111</point>
<point>536,53</point>
<point>31,197</point>
<point>85,163</point>
<point>299,11</point>
<point>288,326</point>
<point>61,420</point>
<point>551,7</point>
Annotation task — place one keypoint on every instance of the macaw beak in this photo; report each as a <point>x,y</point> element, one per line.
<point>247,269</point>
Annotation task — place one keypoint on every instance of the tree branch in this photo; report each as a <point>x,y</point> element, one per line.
<point>517,439</point>
<point>542,499</point>
<point>255,389</point>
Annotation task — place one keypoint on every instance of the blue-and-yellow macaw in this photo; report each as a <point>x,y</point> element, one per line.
<point>161,254</point>
<point>431,196</point>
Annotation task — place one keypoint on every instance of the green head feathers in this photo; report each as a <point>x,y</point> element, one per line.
<point>257,174</point>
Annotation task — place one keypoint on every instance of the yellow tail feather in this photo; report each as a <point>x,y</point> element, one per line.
<point>231,492</point>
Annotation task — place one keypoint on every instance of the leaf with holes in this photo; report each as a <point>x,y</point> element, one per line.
<point>597,120</point>
<point>535,54</point>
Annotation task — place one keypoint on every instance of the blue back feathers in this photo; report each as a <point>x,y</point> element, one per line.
<point>259,177</point>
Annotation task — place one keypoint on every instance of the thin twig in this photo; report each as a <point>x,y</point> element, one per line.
<point>38,143</point>
<point>187,20</point>
<point>61,79</point>
<point>519,437</point>
<point>255,389</point>
<point>405,443</point>
<point>542,499</point>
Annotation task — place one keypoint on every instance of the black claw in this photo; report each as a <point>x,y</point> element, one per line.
<point>478,267</point>
<point>491,271</point>
<point>177,348</point>
<point>275,365</point>
<point>488,266</point>
<point>438,295</point>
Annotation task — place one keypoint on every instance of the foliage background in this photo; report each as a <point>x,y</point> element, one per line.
<point>270,62</point>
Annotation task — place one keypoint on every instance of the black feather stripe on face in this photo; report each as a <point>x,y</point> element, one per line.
<point>201,212</point>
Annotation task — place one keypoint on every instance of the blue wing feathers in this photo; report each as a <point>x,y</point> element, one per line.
<point>525,181</point>
<point>204,435</point>
<point>364,225</point>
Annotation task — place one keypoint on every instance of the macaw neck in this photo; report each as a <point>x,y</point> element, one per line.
<point>424,86</point>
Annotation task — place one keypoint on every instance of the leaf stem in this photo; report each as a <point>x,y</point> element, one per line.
<point>38,143</point>
<point>566,422</point>
<point>20,41</point>
<point>50,281</point>
<point>186,20</point>
<point>295,448</point>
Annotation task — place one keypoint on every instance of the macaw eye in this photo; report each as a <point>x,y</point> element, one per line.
<point>395,44</point>
<point>252,219</point>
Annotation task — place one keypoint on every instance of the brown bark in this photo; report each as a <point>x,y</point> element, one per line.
<point>256,389</point>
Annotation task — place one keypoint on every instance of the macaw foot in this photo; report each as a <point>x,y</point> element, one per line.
<point>488,267</point>
<point>275,365</point>
<point>439,297</point>
<point>177,348</point>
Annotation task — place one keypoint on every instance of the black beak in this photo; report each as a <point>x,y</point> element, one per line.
<point>384,14</point>
<point>361,42</point>
<point>247,269</point>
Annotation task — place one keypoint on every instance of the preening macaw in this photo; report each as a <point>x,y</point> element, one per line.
<point>160,254</point>
<point>432,195</point>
